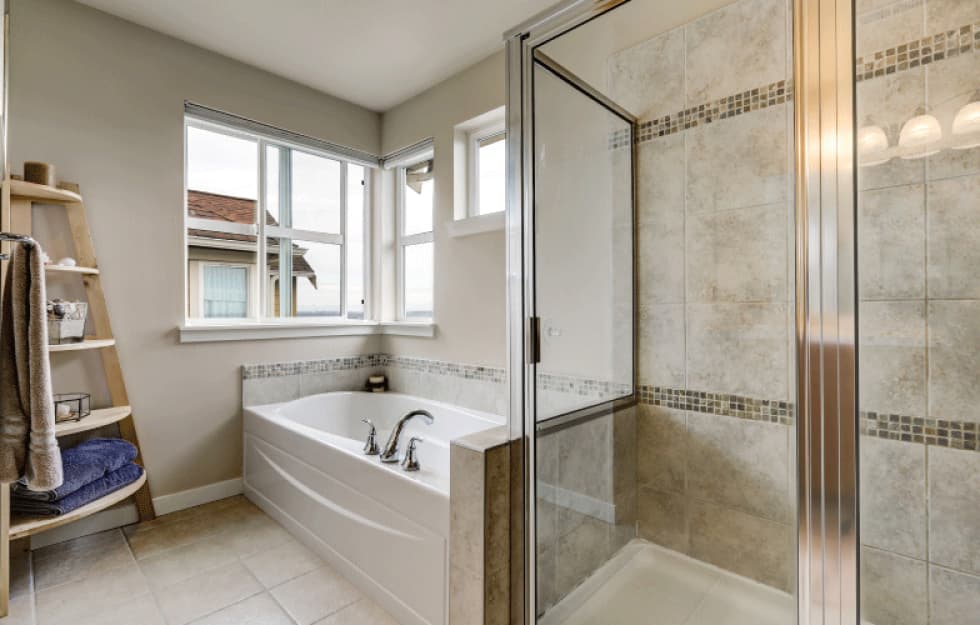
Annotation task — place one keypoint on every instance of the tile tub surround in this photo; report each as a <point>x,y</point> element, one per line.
<point>222,563</point>
<point>480,533</point>
<point>470,386</point>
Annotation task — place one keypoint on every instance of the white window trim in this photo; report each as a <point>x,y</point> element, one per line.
<point>257,326</point>
<point>473,139</point>
<point>402,241</point>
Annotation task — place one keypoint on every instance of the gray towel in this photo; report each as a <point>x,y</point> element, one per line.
<point>28,444</point>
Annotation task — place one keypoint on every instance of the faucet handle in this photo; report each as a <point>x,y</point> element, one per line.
<point>411,461</point>
<point>371,444</point>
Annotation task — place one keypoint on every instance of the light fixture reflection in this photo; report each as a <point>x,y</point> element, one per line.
<point>872,144</point>
<point>965,124</point>
<point>919,137</point>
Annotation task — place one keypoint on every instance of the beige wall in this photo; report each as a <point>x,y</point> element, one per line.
<point>102,99</point>
<point>469,282</point>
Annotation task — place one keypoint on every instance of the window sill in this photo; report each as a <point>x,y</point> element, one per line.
<point>253,331</point>
<point>476,225</point>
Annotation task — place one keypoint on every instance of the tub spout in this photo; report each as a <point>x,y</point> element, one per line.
<point>390,452</point>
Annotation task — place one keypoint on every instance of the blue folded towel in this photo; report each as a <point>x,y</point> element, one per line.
<point>83,464</point>
<point>108,483</point>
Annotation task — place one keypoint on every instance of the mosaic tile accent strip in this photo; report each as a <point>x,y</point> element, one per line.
<point>282,369</point>
<point>924,51</point>
<point>909,55</point>
<point>441,367</point>
<point>938,432</point>
<point>725,404</point>
<point>583,387</point>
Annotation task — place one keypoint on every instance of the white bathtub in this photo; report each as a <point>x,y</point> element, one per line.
<point>387,530</point>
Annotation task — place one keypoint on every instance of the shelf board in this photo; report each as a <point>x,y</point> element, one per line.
<point>76,269</point>
<point>23,526</point>
<point>23,190</point>
<point>88,343</point>
<point>98,418</point>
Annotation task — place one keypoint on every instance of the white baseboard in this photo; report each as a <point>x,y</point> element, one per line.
<point>165,504</point>
<point>125,514</point>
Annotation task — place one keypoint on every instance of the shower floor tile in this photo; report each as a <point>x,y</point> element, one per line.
<point>648,585</point>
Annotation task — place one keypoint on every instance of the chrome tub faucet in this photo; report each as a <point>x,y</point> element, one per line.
<point>390,452</point>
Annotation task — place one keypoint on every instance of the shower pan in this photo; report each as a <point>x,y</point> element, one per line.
<point>742,247</point>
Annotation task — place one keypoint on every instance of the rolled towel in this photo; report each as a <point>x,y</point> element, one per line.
<point>83,464</point>
<point>108,483</point>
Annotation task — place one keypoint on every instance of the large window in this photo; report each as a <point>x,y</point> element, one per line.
<point>275,230</point>
<point>415,248</point>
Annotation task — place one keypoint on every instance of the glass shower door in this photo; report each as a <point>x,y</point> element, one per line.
<point>583,302</point>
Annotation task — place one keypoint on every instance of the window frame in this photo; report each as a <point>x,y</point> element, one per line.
<point>496,130</point>
<point>402,241</point>
<point>258,316</point>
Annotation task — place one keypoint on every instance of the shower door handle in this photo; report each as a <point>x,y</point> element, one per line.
<point>534,340</point>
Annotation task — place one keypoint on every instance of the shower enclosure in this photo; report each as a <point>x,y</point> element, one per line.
<point>744,258</point>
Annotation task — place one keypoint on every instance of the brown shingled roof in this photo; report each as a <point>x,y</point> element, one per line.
<point>239,210</point>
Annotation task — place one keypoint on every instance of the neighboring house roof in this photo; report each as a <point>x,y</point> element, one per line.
<point>239,210</point>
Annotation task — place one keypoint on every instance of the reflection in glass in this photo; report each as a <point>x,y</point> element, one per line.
<point>418,197</point>
<point>491,175</point>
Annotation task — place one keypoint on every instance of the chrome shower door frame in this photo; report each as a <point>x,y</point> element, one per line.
<point>826,312</point>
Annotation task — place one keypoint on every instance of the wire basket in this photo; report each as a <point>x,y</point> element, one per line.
<point>71,406</point>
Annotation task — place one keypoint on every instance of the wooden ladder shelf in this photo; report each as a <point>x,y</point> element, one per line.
<point>18,198</point>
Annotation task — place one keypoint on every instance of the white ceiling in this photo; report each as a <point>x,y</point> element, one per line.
<point>375,53</point>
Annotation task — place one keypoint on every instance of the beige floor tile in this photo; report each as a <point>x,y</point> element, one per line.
<point>68,603</point>
<point>21,573</point>
<point>21,611</point>
<point>364,612</point>
<point>81,558</point>
<point>250,534</point>
<point>258,610</point>
<point>148,541</point>
<point>315,595</point>
<point>140,611</point>
<point>206,592</point>
<point>282,563</point>
<point>181,563</point>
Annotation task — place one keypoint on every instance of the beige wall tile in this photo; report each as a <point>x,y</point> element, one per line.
<point>741,464</point>
<point>737,255</point>
<point>738,348</point>
<point>756,548</point>
<point>888,102</point>
<point>892,242</point>
<point>948,14</point>
<point>662,447</point>
<point>661,345</point>
<point>954,598</point>
<point>739,47</point>
<point>954,237</point>
<point>951,84</point>
<point>663,519</point>
<point>954,508</point>
<point>892,358</point>
<point>893,496</point>
<point>899,23</point>
<point>954,361</point>
<point>648,78</point>
<point>739,162</point>
<point>465,597</point>
<point>466,504</point>
<point>893,589</point>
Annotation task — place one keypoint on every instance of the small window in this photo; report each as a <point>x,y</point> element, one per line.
<point>274,230</point>
<point>225,292</point>
<point>415,204</point>
<point>488,178</point>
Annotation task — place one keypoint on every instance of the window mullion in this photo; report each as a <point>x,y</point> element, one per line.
<point>342,281</point>
<point>285,245</point>
<point>260,251</point>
